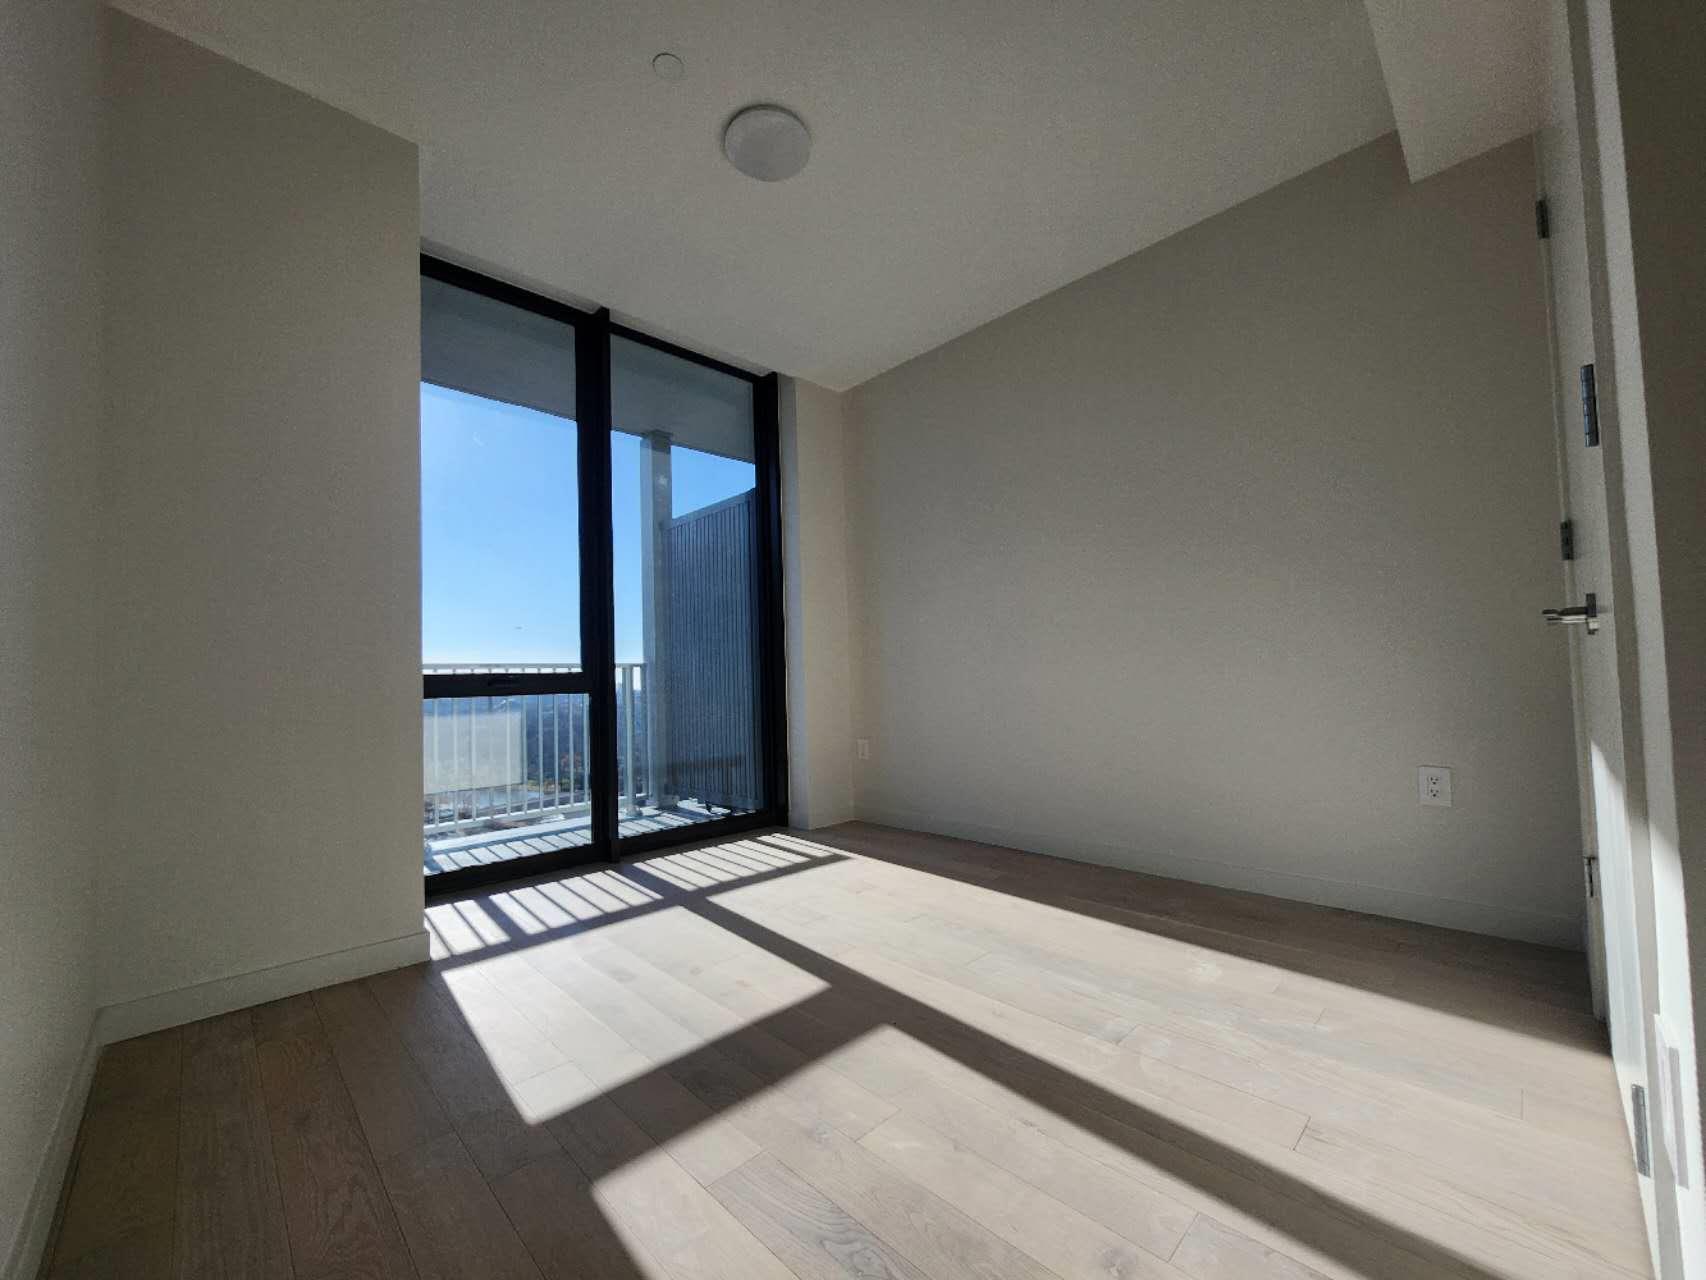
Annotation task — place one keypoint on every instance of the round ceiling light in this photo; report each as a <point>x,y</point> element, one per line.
<point>668,67</point>
<point>767,142</point>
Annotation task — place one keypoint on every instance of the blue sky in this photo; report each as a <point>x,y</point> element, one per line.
<point>500,574</point>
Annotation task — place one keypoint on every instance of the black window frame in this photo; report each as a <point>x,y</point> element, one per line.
<point>593,331</point>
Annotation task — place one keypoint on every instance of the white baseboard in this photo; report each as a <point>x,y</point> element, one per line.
<point>222,995</point>
<point>1401,904</point>
<point>24,1260</point>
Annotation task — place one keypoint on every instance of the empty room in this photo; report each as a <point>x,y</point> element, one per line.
<point>751,640</point>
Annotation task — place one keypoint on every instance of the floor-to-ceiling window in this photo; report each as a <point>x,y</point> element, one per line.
<point>685,514</point>
<point>592,501</point>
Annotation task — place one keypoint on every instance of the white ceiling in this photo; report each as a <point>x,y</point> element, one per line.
<point>969,155</point>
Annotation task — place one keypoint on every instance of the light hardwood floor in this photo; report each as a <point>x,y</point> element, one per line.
<point>871,1053</point>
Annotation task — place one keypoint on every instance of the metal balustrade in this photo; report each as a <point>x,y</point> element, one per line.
<point>508,760</point>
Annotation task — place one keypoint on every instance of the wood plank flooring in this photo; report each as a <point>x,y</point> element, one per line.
<point>873,1053</point>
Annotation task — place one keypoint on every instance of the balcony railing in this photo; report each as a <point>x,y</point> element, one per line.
<point>497,761</point>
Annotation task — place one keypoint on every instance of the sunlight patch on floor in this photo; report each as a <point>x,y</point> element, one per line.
<point>538,1038</point>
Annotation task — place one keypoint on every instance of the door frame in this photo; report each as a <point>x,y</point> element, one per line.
<point>593,331</point>
<point>1635,1048</point>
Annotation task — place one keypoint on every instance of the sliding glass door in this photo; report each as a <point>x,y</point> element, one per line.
<point>600,568</point>
<point>506,715</point>
<point>684,508</point>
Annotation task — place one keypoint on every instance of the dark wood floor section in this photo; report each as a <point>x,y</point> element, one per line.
<point>871,1053</point>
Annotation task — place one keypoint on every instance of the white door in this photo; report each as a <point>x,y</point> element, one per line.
<point>1619,894</point>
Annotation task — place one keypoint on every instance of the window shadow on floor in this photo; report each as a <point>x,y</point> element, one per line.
<point>1538,991</point>
<point>441,1132</point>
<point>622,1123</point>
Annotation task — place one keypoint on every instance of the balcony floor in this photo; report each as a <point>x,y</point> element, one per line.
<point>454,850</point>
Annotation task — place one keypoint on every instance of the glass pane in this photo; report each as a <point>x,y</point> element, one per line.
<point>500,508</point>
<point>684,516</point>
<point>504,777</point>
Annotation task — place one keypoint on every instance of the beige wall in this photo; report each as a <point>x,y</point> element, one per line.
<point>261,580</point>
<point>814,536</point>
<point>1191,564</point>
<point>49,780</point>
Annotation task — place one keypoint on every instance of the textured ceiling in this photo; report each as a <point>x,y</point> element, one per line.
<point>970,155</point>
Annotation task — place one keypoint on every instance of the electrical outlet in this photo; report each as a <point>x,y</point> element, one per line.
<point>1434,783</point>
<point>864,747</point>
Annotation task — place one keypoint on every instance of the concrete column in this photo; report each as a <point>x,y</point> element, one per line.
<point>656,511</point>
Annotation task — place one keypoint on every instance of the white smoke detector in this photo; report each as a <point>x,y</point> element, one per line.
<point>767,142</point>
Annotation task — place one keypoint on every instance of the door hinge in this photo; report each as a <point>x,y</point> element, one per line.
<point>1567,539</point>
<point>1542,220</point>
<point>1590,874</point>
<point>1643,1143</point>
<point>1590,407</point>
